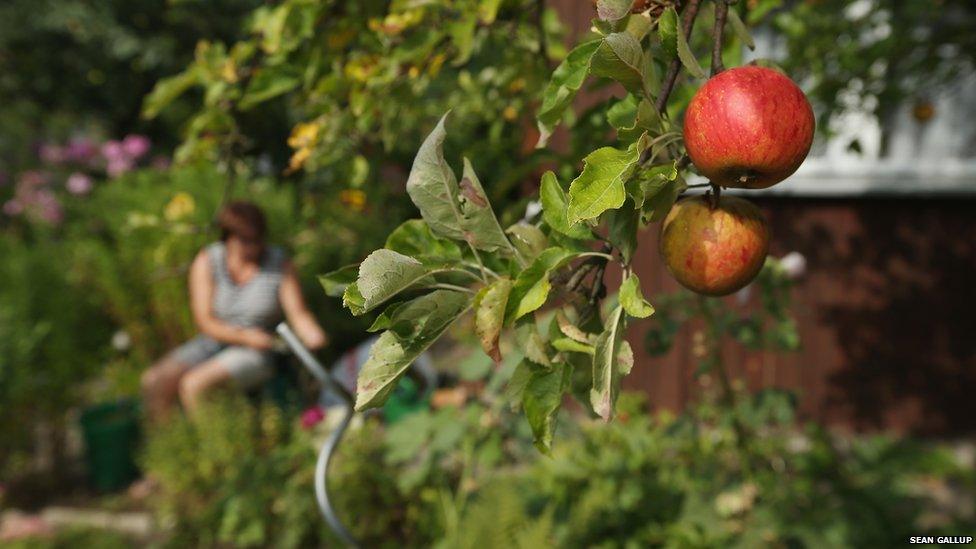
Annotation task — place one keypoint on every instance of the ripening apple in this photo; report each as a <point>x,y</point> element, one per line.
<point>714,250</point>
<point>748,127</point>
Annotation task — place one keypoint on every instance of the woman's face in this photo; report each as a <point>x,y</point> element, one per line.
<point>247,249</point>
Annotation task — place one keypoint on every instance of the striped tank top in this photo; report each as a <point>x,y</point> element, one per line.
<point>254,304</point>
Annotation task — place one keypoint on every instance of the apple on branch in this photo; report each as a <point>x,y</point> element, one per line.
<point>748,127</point>
<point>714,249</point>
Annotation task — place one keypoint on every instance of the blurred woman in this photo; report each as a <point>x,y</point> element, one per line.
<point>240,288</point>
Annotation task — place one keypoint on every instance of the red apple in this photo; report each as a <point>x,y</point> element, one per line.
<point>714,251</point>
<point>748,127</point>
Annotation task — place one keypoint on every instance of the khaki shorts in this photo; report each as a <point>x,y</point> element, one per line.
<point>248,367</point>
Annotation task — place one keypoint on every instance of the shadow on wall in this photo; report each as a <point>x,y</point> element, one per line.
<point>891,283</point>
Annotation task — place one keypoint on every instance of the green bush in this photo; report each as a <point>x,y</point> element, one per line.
<point>460,478</point>
<point>243,476</point>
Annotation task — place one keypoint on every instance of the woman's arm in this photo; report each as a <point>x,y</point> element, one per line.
<point>201,297</point>
<point>298,315</point>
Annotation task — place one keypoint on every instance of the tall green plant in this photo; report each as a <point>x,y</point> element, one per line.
<point>459,258</point>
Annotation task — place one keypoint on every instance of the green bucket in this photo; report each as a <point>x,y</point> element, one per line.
<point>405,400</point>
<point>111,434</point>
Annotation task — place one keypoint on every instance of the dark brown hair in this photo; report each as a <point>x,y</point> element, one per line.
<point>242,219</point>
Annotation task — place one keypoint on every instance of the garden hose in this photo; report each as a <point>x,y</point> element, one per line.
<point>332,442</point>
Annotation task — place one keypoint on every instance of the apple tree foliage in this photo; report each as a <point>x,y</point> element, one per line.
<point>457,258</point>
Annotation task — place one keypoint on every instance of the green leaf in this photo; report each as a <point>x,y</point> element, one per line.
<point>740,30</point>
<point>478,220</point>
<point>651,181</point>
<point>622,226</point>
<point>433,187</point>
<point>335,283</point>
<point>488,10</point>
<point>621,58</point>
<point>554,205</point>
<point>167,90</point>
<point>688,58</point>
<point>391,355</point>
<point>531,288</point>
<point>606,373</point>
<point>462,36</point>
<point>528,239</point>
<point>658,205</point>
<point>541,400</point>
<point>531,342</point>
<point>613,10</point>
<point>571,330</point>
<point>415,239</point>
<point>571,346</point>
<point>490,314</point>
<point>667,31</point>
<point>459,212</point>
<point>632,117</point>
<point>601,185</point>
<point>353,300</point>
<point>270,82</point>
<point>638,25</point>
<point>384,274</point>
<point>516,385</point>
<point>565,83</point>
<point>632,299</point>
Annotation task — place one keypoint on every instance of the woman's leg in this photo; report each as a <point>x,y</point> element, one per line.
<point>201,380</point>
<point>242,367</point>
<point>160,384</point>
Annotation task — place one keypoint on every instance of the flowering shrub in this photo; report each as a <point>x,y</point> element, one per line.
<point>73,166</point>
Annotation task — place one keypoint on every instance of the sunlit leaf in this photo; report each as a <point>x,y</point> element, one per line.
<point>613,10</point>
<point>606,373</point>
<point>632,299</point>
<point>621,58</point>
<point>528,239</point>
<point>542,397</point>
<point>391,355</point>
<point>740,30</point>
<point>601,185</point>
<point>531,288</point>
<point>554,206</point>
<point>688,58</point>
<point>667,31</point>
<point>335,283</point>
<point>565,83</point>
<point>384,274</point>
<point>415,239</point>
<point>490,314</point>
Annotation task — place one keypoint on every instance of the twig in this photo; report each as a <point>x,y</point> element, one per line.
<point>721,12</point>
<point>687,25</point>
<point>540,8</point>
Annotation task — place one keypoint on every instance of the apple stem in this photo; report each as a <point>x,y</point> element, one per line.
<point>721,12</point>
<point>715,194</point>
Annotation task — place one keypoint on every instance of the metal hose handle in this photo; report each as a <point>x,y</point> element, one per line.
<point>332,441</point>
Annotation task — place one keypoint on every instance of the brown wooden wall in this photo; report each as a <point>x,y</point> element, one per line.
<point>885,311</point>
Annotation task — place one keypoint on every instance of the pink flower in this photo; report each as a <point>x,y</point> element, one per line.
<point>51,154</point>
<point>80,150</point>
<point>135,146</point>
<point>13,207</point>
<point>33,178</point>
<point>79,183</point>
<point>312,417</point>
<point>47,207</point>
<point>113,151</point>
<point>118,166</point>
